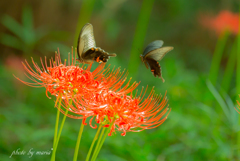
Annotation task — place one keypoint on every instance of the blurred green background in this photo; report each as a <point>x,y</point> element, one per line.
<point>202,125</point>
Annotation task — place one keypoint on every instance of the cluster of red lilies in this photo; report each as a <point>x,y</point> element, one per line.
<point>104,95</point>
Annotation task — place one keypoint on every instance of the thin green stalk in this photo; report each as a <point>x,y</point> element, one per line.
<point>140,33</point>
<point>93,142</point>
<point>84,16</point>
<point>59,134</point>
<point>57,120</point>
<point>227,77</point>
<point>98,143</point>
<point>102,140</point>
<point>78,142</point>
<point>217,55</point>
<point>100,146</point>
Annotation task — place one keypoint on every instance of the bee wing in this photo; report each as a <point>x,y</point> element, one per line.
<point>86,39</point>
<point>152,46</point>
<point>159,53</point>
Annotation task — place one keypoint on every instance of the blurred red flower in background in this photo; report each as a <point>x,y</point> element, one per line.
<point>225,20</point>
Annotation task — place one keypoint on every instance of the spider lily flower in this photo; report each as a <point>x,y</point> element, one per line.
<point>70,80</point>
<point>58,78</point>
<point>225,20</point>
<point>104,95</point>
<point>131,114</point>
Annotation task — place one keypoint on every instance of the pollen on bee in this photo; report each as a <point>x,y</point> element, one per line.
<point>96,49</point>
<point>92,48</point>
<point>152,70</point>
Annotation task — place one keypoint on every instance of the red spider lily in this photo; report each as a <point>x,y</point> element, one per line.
<point>58,78</point>
<point>69,80</point>
<point>100,94</point>
<point>225,20</point>
<point>131,114</point>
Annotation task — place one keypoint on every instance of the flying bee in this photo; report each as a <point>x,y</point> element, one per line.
<point>153,53</point>
<point>87,50</point>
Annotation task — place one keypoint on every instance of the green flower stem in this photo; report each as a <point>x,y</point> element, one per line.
<point>98,143</point>
<point>217,55</point>
<point>93,142</point>
<point>227,77</point>
<point>57,120</point>
<point>59,134</point>
<point>78,142</point>
<point>98,148</point>
<point>140,33</point>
